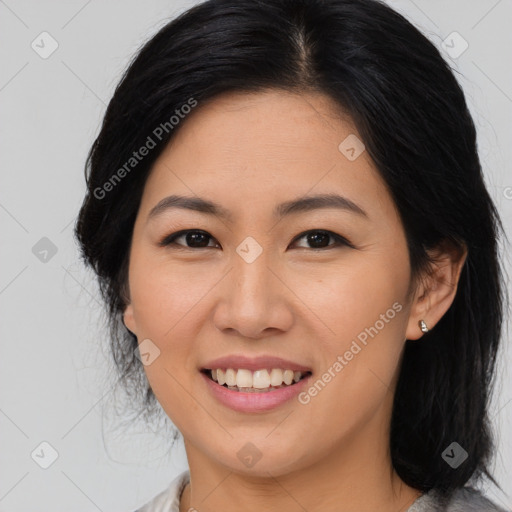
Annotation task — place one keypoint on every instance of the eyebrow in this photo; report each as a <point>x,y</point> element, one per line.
<point>303,204</point>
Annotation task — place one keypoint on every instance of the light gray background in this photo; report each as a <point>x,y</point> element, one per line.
<point>53,385</point>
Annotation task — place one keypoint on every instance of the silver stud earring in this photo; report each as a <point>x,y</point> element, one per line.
<point>423,326</point>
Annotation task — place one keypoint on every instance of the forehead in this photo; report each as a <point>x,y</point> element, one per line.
<point>273,119</point>
<point>262,147</point>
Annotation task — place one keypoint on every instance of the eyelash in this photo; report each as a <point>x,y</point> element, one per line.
<point>339,240</point>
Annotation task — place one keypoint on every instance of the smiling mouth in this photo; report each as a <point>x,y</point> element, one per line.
<point>259,381</point>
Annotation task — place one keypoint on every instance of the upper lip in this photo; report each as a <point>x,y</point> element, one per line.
<point>254,363</point>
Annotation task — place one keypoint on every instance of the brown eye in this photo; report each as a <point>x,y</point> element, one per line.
<point>193,239</point>
<point>319,239</point>
<point>197,239</point>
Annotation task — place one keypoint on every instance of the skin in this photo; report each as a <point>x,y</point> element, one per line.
<point>249,152</point>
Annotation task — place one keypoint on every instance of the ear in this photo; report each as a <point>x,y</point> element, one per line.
<point>438,287</point>
<point>129,320</point>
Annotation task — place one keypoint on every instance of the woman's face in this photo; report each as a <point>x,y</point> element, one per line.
<point>248,286</point>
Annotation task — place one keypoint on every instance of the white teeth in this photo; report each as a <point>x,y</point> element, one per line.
<point>244,379</point>
<point>288,376</point>
<point>259,379</point>
<point>276,377</point>
<point>230,377</point>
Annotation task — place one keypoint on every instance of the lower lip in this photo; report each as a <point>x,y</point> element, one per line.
<point>254,402</point>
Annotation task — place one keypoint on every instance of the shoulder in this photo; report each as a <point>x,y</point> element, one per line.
<point>468,499</point>
<point>465,499</point>
<point>169,499</point>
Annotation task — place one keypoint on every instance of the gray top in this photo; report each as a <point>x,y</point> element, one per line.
<point>463,500</point>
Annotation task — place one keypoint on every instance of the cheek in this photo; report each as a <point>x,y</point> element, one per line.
<point>163,293</point>
<point>166,301</point>
<point>351,295</point>
<point>363,311</point>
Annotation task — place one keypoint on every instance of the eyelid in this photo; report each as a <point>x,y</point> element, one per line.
<point>339,239</point>
<point>170,239</point>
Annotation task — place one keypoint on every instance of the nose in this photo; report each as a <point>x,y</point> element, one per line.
<point>254,300</point>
